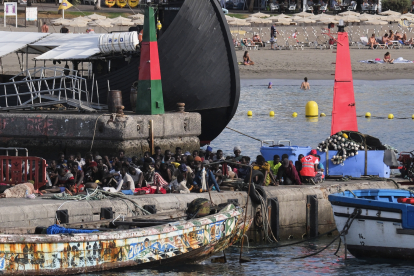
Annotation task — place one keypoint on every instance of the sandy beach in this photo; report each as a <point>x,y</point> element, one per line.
<point>318,64</point>
<point>282,64</point>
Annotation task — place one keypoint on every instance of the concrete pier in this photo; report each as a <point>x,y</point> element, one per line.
<point>293,218</point>
<point>46,134</point>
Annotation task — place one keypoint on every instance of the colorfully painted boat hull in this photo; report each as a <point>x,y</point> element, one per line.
<point>185,241</point>
<point>384,228</point>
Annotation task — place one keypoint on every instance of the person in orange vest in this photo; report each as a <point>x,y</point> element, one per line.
<point>309,170</point>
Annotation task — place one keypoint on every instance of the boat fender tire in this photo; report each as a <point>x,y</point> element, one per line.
<point>255,173</point>
<point>255,191</point>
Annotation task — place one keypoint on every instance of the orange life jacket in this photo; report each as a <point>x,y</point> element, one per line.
<point>308,166</point>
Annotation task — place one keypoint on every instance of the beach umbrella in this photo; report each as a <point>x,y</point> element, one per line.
<point>284,21</point>
<point>376,22</point>
<point>136,16</point>
<point>80,18</point>
<point>229,18</point>
<point>328,21</point>
<point>60,21</point>
<point>390,12</point>
<point>348,13</point>
<point>122,21</point>
<point>305,20</point>
<point>258,20</point>
<point>77,24</point>
<point>138,21</point>
<point>392,18</point>
<point>276,17</point>
<point>350,19</point>
<point>260,15</point>
<point>239,22</point>
<point>101,23</point>
<point>365,17</point>
<point>96,16</point>
<point>407,16</point>
<point>304,14</point>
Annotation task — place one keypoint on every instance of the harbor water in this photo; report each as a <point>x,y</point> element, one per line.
<point>377,97</point>
<point>380,98</point>
<point>279,261</point>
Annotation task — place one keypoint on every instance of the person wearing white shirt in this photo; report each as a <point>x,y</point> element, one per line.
<point>126,183</point>
<point>136,175</point>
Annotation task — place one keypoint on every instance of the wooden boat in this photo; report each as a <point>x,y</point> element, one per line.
<point>121,3</point>
<point>110,3</point>
<point>179,241</point>
<point>382,226</point>
<point>133,3</point>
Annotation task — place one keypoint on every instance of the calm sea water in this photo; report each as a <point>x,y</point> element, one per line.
<point>278,261</point>
<point>379,98</point>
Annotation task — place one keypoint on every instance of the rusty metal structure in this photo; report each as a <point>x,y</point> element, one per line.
<point>184,241</point>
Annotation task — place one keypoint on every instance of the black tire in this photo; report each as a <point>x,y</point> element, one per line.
<point>255,174</point>
<point>255,191</point>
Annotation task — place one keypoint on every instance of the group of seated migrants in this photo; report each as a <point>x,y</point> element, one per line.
<point>180,172</point>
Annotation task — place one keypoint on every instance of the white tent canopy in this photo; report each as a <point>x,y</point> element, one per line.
<point>11,42</point>
<point>69,46</point>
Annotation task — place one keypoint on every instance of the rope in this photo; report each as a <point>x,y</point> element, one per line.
<point>344,232</point>
<point>94,129</point>
<point>246,135</point>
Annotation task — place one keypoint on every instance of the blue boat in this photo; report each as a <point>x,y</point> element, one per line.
<point>379,222</point>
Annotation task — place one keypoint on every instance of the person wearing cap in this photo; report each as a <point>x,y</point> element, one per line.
<point>237,153</point>
<point>288,173</point>
<point>208,156</point>
<point>179,185</point>
<point>310,167</point>
<point>270,85</point>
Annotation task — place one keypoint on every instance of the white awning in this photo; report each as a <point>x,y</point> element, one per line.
<point>11,42</point>
<point>68,46</point>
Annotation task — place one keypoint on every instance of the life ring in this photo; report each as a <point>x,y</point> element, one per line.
<point>121,3</point>
<point>133,3</point>
<point>110,3</point>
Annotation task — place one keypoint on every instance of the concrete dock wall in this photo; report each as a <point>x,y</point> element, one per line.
<point>292,201</point>
<point>46,134</point>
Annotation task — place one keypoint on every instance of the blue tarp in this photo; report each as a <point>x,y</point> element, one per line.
<point>56,229</point>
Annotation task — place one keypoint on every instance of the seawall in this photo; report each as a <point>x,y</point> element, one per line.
<point>46,134</point>
<point>292,216</point>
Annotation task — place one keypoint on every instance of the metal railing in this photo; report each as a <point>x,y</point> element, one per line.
<point>47,86</point>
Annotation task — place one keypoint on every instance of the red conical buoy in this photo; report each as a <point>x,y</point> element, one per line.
<point>344,109</point>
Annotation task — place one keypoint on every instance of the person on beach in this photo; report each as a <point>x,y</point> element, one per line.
<point>45,28</point>
<point>246,59</point>
<point>305,85</point>
<point>387,58</point>
<point>273,33</point>
<point>391,35</point>
<point>64,30</point>
<point>385,39</point>
<point>257,40</point>
<point>372,42</point>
